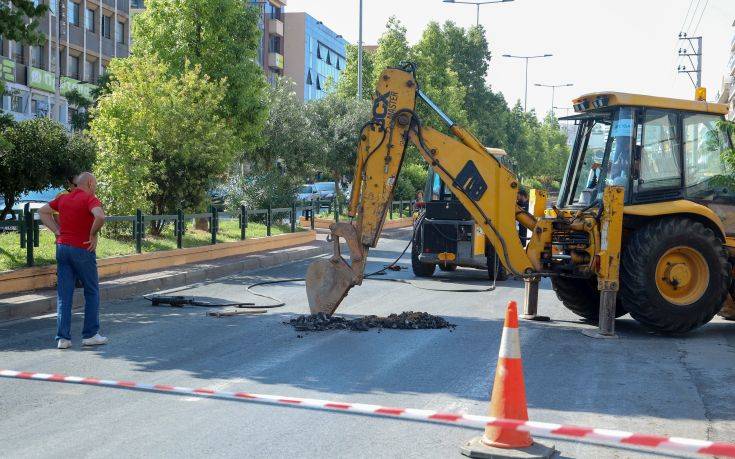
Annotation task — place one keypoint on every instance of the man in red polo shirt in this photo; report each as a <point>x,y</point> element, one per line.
<point>79,221</point>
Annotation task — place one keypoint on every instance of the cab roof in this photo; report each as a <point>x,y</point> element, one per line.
<point>597,100</point>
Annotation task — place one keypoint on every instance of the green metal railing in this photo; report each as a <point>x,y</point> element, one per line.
<point>27,223</point>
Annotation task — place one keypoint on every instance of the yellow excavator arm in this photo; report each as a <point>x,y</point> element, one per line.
<point>486,188</point>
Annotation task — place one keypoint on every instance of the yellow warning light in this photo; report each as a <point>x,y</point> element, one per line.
<point>446,256</point>
<point>700,94</point>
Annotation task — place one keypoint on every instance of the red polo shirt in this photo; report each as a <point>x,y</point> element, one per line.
<point>75,217</point>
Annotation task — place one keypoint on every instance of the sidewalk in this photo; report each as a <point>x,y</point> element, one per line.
<point>39,302</point>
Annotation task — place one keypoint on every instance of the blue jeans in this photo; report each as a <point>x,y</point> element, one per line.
<point>73,263</point>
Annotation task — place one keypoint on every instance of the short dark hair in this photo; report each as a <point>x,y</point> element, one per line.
<point>522,192</point>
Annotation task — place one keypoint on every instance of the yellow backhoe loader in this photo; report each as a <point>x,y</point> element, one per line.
<point>642,225</point>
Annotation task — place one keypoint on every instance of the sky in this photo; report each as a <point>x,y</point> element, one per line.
<point>597,45</point>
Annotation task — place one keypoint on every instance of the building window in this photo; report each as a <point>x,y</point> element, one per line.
<point>73,13</point>
<point>37,56</point>
<point>275,45</point>
<point>308,77</point>
<point>106,26</point>
<point>16,103</point>
<point>90,71</point>
<point>276,12</point>
<point>73,67</point>
<point>53,5</point>
<point>120,32</point>
<point>18,53</point>
<point>319,51</point>
<point>89,19</point>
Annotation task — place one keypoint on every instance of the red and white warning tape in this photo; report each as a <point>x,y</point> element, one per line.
<point>542,429</point>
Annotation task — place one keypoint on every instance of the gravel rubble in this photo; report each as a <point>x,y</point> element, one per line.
<point>404,321</point>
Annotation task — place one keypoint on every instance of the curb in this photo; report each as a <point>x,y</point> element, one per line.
<point>42,302</point>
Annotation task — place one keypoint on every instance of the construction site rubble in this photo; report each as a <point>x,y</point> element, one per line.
<point>404,321</point>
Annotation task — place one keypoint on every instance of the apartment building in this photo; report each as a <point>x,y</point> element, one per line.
<point>92,32</point>
<point>270,51</point>
<point>315,55</point>
<point>727,92</point>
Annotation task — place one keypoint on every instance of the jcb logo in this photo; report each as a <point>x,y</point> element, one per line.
<point>384,106</point>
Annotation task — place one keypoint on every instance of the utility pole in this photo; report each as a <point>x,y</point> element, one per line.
<point>61,25</point>
<point>692,48</point>
<point>526,58</point>
<point>359,58</point>
<point>553,90</point>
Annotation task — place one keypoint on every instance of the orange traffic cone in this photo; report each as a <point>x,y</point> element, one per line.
<point>508,401</point>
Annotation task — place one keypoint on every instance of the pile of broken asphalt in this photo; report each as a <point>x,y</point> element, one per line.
<point>404,321</point>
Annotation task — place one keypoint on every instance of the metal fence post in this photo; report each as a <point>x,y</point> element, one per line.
<point>243,222</point>
<point>400,208</point>
<point>139,230</point>
<point>215,224</point>
<point>313,215</point>
<point>21,216</point>
<point>293,217</point>
<point>180,229</point>
<point>336,209</point>
<point>391,210</point>
<point>268,220</point>
<point>28,215</point>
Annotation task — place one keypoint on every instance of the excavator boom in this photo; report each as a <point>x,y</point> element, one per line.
<point>486,188</point>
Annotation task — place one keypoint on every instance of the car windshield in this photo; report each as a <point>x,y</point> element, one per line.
<point>305,189</point>
<point>325,186</point>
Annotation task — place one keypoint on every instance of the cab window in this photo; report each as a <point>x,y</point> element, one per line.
<point>704,143</point>
<point>659,151</point>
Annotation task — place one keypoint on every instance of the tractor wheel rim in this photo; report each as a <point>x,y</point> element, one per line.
<point>682,275</point>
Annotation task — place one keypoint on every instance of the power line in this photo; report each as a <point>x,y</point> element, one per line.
<point>691,20</point>
<point>681,29</point>
<point>700,17</point>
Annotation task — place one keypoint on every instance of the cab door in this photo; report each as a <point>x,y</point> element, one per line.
<point>707,178</point>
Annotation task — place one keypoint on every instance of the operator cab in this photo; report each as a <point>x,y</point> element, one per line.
<point>658,149</point>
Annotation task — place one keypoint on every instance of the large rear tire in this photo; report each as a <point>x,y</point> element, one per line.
<point>582,297</point>
<point>420,269</point>
<point>674,275</point>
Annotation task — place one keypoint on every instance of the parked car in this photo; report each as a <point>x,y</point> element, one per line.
<point>36,199</point>
<point>326,190</point>
<point>307,193</point>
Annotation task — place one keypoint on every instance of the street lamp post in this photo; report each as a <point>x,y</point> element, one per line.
<point>553,90</point>
<point>526,58</point>
<point>478,4</point>
<point>359,58</point>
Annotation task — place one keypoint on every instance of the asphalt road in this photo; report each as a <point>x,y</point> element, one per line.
<point>682,386</point>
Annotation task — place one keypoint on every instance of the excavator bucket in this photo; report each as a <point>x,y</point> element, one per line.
<point>327,283</point>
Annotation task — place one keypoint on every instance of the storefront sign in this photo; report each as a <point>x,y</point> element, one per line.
<point>41,79</point>
<point>8,70</point>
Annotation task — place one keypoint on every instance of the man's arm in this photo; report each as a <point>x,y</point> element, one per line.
<point>47,218</point>
<point>99,220</point>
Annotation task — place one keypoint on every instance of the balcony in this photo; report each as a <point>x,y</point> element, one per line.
<point>732,43</point>
<point>731,65</point>
<point>275,27</point>
<point>275,61</point>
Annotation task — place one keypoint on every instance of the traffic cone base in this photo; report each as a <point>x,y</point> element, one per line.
<point>477,448</point>
<point>508,401</point>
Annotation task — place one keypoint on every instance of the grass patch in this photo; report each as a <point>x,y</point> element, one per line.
<point>13,257</point>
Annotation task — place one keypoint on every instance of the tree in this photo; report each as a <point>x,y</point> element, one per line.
<point>393,48</point>
<point>291,142</point>
<point>221,36</point>
<point>19,20</point>
<point>347,84</point>
<point>162,139</point>
<point>338,122</point>
<point>39,154</point>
